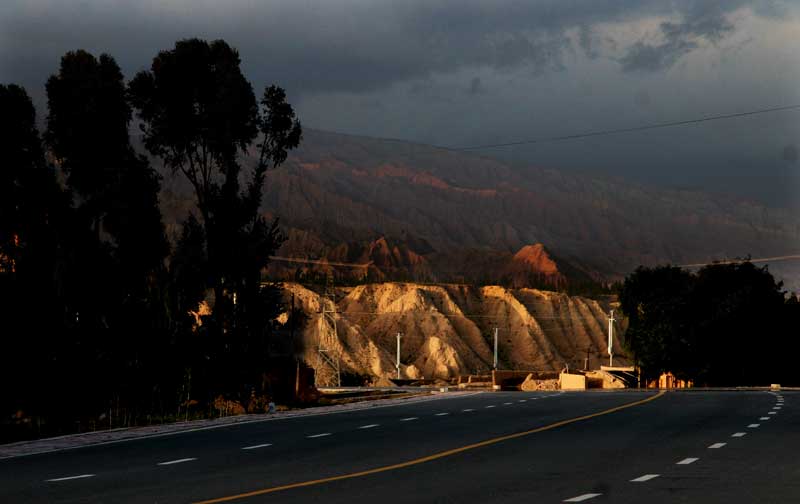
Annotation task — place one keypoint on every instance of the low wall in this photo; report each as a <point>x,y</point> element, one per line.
<point>572,381</point>
<point>505,380</point>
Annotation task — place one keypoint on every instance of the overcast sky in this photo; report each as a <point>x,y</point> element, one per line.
<point>465,72</point>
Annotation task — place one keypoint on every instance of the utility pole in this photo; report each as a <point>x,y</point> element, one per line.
<point>328,344</point>
<point>399,335</point>
<point>494,366</point>
<point>291,329</point>
<point>611,321</point>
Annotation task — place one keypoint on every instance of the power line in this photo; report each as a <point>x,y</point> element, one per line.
<point>737,261</point>
<point>625,130</point>
<point>321,262</point>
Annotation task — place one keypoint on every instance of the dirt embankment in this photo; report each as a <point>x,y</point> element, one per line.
<point>448,330</point>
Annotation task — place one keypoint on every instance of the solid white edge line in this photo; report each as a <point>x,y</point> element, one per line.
<point>65,478</point>
<point>717,446</point>
<point>583,497</point>
<point>263,445</point>
<point>646,477</point>
<point>177,461</point>
<point>234,424</point>
<point>321,434</point>
<point>687,461</point>
<point>369,426</point>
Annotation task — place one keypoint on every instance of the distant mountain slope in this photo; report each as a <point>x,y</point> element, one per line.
<point>339,189</point>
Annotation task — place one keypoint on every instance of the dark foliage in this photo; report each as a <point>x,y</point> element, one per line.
<point>95,309</point>
<point>727,324</point>
<point>657,302</point>
<point>199,114</point>
<point>32,211</point>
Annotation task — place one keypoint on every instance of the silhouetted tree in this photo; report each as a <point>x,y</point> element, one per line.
<point>96,328</point>
<point>87,127</point>
<point>657,304</point>
<point>727,324</point>
<point>737,315</point>
<point>199,114</point>
<point>117,246</point>
<point>32,210</point>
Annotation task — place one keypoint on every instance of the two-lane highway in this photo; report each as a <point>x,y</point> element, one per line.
<point>625,446</point>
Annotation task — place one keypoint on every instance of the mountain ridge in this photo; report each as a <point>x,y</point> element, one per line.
<point>337,189</point>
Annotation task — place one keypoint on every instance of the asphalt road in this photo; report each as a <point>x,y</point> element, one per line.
<point>697,446</point>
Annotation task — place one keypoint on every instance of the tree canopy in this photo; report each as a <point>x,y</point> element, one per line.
<point>726,324</point>
<point>200,116</point>
<point>98,309</point>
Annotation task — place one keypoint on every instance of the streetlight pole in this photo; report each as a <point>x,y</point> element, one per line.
<point>494,365</point>
<point>611,321</point>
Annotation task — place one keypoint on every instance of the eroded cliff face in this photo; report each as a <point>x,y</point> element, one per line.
<point>447,330</point>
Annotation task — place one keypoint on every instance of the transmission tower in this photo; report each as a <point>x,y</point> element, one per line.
<point>328,343</point>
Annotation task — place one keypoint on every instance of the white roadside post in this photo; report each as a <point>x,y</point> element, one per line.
<point>398,356</point>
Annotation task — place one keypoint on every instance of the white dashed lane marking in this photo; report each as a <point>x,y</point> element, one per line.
<point>717,445</point>
<point>409,419</point>
<point>754,426</point>
<point>65,478</point>
<point>522,400</point>
<point>764,418</point>
<point>490,406</point>
<point>506,403</point>
<point>322,434</point>
<point>369,426</point>
<point>442,414</point>
<point>177,461</point>
<point>772,413</point>
<point>467,410</point>
<point>739,434</point>
<point>646,477</point>
<point>687,461</point>
<point>254,447</point>
<point>583,497</point>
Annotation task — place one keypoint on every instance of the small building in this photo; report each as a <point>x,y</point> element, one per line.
<point>669,381</point>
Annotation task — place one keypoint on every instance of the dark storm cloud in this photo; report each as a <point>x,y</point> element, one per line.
<point>649,57</point>
<point>679,39</point>
<point>349,45</point>
<point>587,42</point>
<point>472,72</point>
<point>476,87</point>
<point>789,153</point>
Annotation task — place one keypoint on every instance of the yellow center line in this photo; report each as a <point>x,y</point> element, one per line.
<point>428,458</point>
